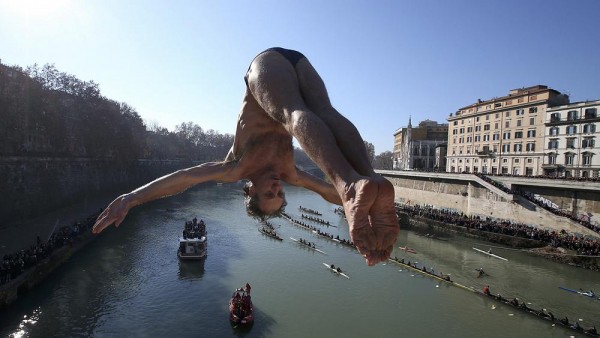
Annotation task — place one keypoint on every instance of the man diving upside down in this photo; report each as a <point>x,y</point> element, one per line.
<point>285,97</point>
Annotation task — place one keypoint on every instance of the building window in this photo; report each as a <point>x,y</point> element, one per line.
<point>507,114</point>
<point>461,140</point>
<point>571,130</point>
<point>530,147</point>
<point>533,98</point>
<point>553,131</point>
<point>486,127</point>
<point>553,144</point>
<point>461,130</point>
<point>497,115</point>
<point>477,128</point>
<point>495,150</point>
<point>528,171</point>
<point>469,139</point>
<point>518,134</point>
<point>519,123</point>
<point>477,138</point>
<point>455,123</point>
<point>469,129</point>
<point>520,112</point>
<point>531,133</point>
<point>551,158</point>
<point>517,148</point>
<point>506,135</point>
<point>529,160</point>
<point>587,142</point>
<point>572,115</point>
<point>532,110</point>
<point>486,137</point>
<point>520,100</point>
<point>517,160</point>
<point>487,117</point>
<point>507,124</point>
<point>554,117</point>
<point>496,137</point>
<point>505,148</point>
<point>569,158</point>
<point>496,125</point>
<point>571,143</point>
<point>532,121</point>
<point>590,113</point>
<point>504,160</point>
<point>497,105</point>
<point>589,128</point>
<point>587,158</point>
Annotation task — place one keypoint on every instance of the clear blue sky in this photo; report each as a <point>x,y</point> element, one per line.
<point>382,61</point>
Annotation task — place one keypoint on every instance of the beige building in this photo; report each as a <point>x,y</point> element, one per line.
<point>504,135</point>
<point>572,145</point>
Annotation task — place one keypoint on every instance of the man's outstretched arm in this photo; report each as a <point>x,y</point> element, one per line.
<point>167,185</point>
<point>326,190</point>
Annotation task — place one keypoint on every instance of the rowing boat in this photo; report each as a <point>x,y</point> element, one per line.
<point>490,254</point>
<point>272,235</point>
<point>407,249</point>
<point>583,293</point>
<point>328,266</point>
<point>307,245</point>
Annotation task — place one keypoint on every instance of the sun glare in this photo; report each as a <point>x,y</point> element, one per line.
<point>35,8</point>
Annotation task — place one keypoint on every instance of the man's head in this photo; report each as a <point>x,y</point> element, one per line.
<point>264,198</point>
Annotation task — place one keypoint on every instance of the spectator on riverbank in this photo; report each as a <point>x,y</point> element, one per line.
<point>582,245</point>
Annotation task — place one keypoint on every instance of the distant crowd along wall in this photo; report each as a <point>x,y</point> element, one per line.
<point>471,198</point>
<point>32,186</point>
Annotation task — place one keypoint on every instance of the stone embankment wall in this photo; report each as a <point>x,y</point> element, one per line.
<point>471,198</point>
<point>32,186</point>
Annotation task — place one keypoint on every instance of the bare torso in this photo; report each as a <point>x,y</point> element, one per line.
<point>261,143</point>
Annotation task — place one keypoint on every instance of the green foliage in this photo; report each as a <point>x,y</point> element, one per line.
<point>46,112</point>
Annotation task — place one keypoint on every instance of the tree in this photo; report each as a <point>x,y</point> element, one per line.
<point>383,161</point>
<point>370,151</point>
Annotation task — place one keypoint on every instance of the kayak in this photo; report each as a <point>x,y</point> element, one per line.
<point>328,266</point>
<point>490,254</point>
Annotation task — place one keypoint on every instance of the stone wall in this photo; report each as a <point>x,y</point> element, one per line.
<point>31,186</point>
<point>471,198</point>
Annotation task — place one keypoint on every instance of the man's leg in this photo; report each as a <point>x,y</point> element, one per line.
<point>275,85</point>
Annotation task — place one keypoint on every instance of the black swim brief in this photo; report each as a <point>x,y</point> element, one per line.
<point>291,55</point>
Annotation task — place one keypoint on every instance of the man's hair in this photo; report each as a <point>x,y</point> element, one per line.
<point>252,208</point>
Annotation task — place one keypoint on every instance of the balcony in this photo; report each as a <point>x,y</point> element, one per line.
<point>485,153</point>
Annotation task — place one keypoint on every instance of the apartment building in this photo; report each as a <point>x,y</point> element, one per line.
<point>502,135</point>
<point>415,148</point>
<point>571,138</point>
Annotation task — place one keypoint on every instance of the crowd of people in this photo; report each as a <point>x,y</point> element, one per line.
<point>194,229</point>
<point>13,265</point>
<point>543,203</point>
<point>582,245</point>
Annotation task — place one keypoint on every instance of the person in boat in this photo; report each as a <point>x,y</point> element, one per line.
<point>480,272</point>
<point>486,290</point>
<point>592,331</point>
<point>338,270</point>
<point>332,267</point>
<point>248,288</point>
<point>286,98</point>
<point>514,302</point>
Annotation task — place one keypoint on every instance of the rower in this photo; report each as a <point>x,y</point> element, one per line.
<point>486,290</point>
<point>480,272</point>
<point>339,270</point>
<point>332,266</point>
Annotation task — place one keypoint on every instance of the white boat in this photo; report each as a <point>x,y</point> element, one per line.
<point>192,248</point>
<point>490,254</point>
<point>307,245</point>
<point>328,266</point>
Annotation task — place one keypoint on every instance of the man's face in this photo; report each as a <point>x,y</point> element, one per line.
<point>269,191</point>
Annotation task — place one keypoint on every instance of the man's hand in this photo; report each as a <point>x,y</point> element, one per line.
<point>369,207</point>
<point>114,213</point>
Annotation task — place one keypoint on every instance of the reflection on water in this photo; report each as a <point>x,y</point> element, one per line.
<point>192,269</point>
<point>130,283</point>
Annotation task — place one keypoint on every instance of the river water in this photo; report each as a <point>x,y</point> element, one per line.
<point>129,282</point>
